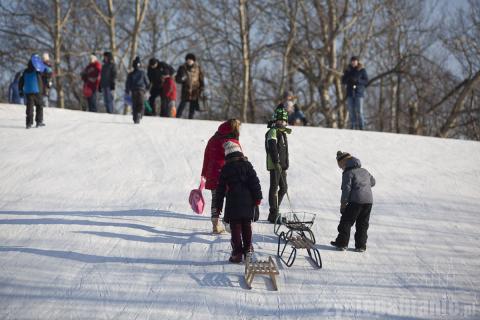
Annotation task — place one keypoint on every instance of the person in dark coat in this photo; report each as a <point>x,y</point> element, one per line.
<point>213,162</point>
<point>297,118</point>
<point>276,145</point>
<point>107,80</point>
<point>154,73</point>
<point>13,90</point>
<point>356,202</point>
<point>240,185</point>
<point>47,75</point>
<point>31,86</point>
<point>356,79</point>
<point>190,76</point>
<point>137,84</point>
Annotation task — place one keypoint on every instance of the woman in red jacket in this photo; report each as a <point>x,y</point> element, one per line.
<point>213,161</point>
<point>91,81</point>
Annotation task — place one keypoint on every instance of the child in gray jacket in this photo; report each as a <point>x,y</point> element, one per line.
<point>356,202</point>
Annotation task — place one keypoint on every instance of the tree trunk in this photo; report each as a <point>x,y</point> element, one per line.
<point>57,44</point>
<point>111,28</point>
<point>244,34</point>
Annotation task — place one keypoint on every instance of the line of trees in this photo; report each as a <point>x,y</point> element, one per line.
<point>424,68</point>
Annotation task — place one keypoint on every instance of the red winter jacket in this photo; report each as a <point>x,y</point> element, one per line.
<point>214,157</point>
<point>169,89</point>
<point>91,75</point>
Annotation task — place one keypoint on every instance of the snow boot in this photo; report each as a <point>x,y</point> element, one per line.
<point>29,126</point>
<point>217,226</point>
<point>40,124</point>
<point>360,249</point>
<point>248,253</point>
<point>235,258</point>
<point>272,216</point>
<point>341,248</point>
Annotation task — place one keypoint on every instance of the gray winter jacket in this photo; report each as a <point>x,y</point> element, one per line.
<point>357,183</point>
<point>136,80</point>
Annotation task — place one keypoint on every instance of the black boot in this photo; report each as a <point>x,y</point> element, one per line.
<point>339,247</point>
<point>272,216</point>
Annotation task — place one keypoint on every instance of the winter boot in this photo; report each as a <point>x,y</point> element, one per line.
<point>237,258</point>
<point>272,216</point>
<point>40,124</point>
<point>248,253</point>
<point>360,249</point>
<point>339,247</point>
<point>217,227</point>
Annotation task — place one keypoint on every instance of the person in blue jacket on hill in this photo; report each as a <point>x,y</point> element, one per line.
<point>356,202</point>
<point>31,86</point>
<point>356,80</point>
<point>137,84</point>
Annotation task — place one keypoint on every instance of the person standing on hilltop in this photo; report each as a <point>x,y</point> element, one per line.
<point>190,76</point>
<point>137,84</point>
<point>31,86</point>
<point>107,80</point>
<point>356,80</point>
<point>91,80</point>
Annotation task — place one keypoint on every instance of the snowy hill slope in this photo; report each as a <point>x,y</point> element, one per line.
<point>95,224</point>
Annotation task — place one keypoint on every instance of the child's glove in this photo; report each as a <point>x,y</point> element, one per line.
<point>257,203</point>
<point>343,207</point>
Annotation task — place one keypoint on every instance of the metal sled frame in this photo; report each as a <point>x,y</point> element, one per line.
<point>298,241</point>
<point>302,227</point>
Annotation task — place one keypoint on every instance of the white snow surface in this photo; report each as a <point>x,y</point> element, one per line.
<point>95,224</point>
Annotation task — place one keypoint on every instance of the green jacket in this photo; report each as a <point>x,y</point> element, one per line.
<point>276,146</point>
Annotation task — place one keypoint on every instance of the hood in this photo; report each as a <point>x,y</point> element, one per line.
<point>353,163</point>
<point>224,128</point>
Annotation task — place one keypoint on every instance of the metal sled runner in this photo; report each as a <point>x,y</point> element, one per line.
<point>298,236</point>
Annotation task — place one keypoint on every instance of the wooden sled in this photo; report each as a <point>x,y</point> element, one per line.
<point>267,267</point>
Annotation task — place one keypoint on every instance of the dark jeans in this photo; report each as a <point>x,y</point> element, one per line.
<point>360,215</point>
<point>92,102</point>
<point>34,100</point>
<point>214,212</point>
<point>166,108</point>
<point>275,195</point>
<point>137,104</point>
<point>154,94</point>
<point>108,99</point>
<point>193,105</point>
<point>241,236</point>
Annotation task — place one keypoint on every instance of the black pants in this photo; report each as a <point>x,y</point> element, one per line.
<point>34,100</point>
<point>278,189</point>
<point>241,236</point>
<point>360,215</point>
<point>137,105</point>
<point>154,94</point>
<point>193,105</point>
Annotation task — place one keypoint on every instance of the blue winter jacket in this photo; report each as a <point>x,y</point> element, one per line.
<point>356,80</point>
<point>31,81</point>
<point>357,183</point>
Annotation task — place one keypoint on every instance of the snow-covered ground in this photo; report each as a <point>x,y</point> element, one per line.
<point>95,224</point>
